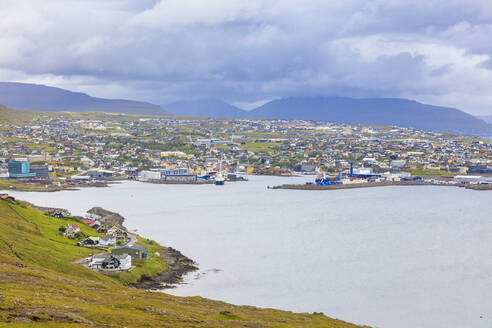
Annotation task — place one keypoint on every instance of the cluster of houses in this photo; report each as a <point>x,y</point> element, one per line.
<point>113,235</point>
<point>121,253</point>
<point>120,257</point>
<point>71,231</point>
<point>86,150</point>
<point>57,213</point>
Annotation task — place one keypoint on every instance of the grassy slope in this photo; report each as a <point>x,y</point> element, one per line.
<point>39,283</point>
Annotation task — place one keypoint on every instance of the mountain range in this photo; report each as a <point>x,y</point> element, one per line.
<point>41,97</point>
<point>372,111</point>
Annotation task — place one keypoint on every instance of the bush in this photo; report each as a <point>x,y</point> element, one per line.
<point>80,235</point>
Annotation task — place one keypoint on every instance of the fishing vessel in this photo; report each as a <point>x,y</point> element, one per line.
<point>219,180</point>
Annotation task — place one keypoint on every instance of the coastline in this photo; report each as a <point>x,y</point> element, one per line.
<point>45,286</point>
<point>205,285</point>
<point>174,264</point>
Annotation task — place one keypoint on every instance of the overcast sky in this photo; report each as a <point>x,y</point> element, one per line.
<point>248,52</point>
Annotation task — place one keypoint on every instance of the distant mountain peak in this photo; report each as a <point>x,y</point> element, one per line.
<point>46,98</point>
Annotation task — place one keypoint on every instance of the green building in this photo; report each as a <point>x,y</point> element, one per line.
<point>136,252</point>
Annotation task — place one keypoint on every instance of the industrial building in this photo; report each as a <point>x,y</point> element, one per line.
<point>469,179</point>
<point>41,171</point>
<point>480,169</point>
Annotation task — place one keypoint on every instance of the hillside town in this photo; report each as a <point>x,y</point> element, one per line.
<point>62,151</point>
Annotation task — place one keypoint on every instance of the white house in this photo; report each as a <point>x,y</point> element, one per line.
<point>398,164</point>
<point>125,261</point>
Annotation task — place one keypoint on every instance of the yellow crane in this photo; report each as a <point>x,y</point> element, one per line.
<point>54,165</point>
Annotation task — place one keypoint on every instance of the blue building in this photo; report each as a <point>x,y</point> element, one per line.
<point>18,169</point>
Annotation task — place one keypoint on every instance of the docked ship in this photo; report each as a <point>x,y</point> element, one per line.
<point>219,180</point>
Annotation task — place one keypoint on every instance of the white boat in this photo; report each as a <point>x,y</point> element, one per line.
<point>219,180</point>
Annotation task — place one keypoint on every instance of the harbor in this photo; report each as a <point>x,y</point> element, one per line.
<point>367,178</point>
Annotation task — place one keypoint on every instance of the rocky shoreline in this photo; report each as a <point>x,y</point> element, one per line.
<point>178,266</point>
<point>107,217</point>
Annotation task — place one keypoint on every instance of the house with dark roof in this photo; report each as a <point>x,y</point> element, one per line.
<point>136,252</point>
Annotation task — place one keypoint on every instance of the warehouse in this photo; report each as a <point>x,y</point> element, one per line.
<point>469,179</point>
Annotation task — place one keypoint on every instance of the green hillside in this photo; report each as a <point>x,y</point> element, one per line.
<point>15,116</point>
<point>40,285</point>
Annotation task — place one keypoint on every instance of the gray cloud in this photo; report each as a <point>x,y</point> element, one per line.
<point>249,51</point>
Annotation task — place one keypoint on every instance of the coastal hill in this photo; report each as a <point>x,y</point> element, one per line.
<point>44,98</point>
<point>204,108</point>
<point>41,285</point>
<point>376,111</point>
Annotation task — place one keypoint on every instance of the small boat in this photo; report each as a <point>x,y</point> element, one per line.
<point>219,180</point>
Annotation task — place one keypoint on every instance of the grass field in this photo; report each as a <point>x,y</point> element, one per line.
<point>419,172</point>
<point>6,184</point>
<point>259,147</point>
<point>41,286</point>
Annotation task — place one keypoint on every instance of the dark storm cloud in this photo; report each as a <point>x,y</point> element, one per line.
<point>250,51</point>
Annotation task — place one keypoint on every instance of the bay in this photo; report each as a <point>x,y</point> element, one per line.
<point>416,256</point>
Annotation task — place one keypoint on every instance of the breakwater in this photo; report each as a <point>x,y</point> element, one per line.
<point>174,182</point>
<point>377,184</point>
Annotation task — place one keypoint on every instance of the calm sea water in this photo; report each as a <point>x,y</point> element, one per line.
<point>386,257</point>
